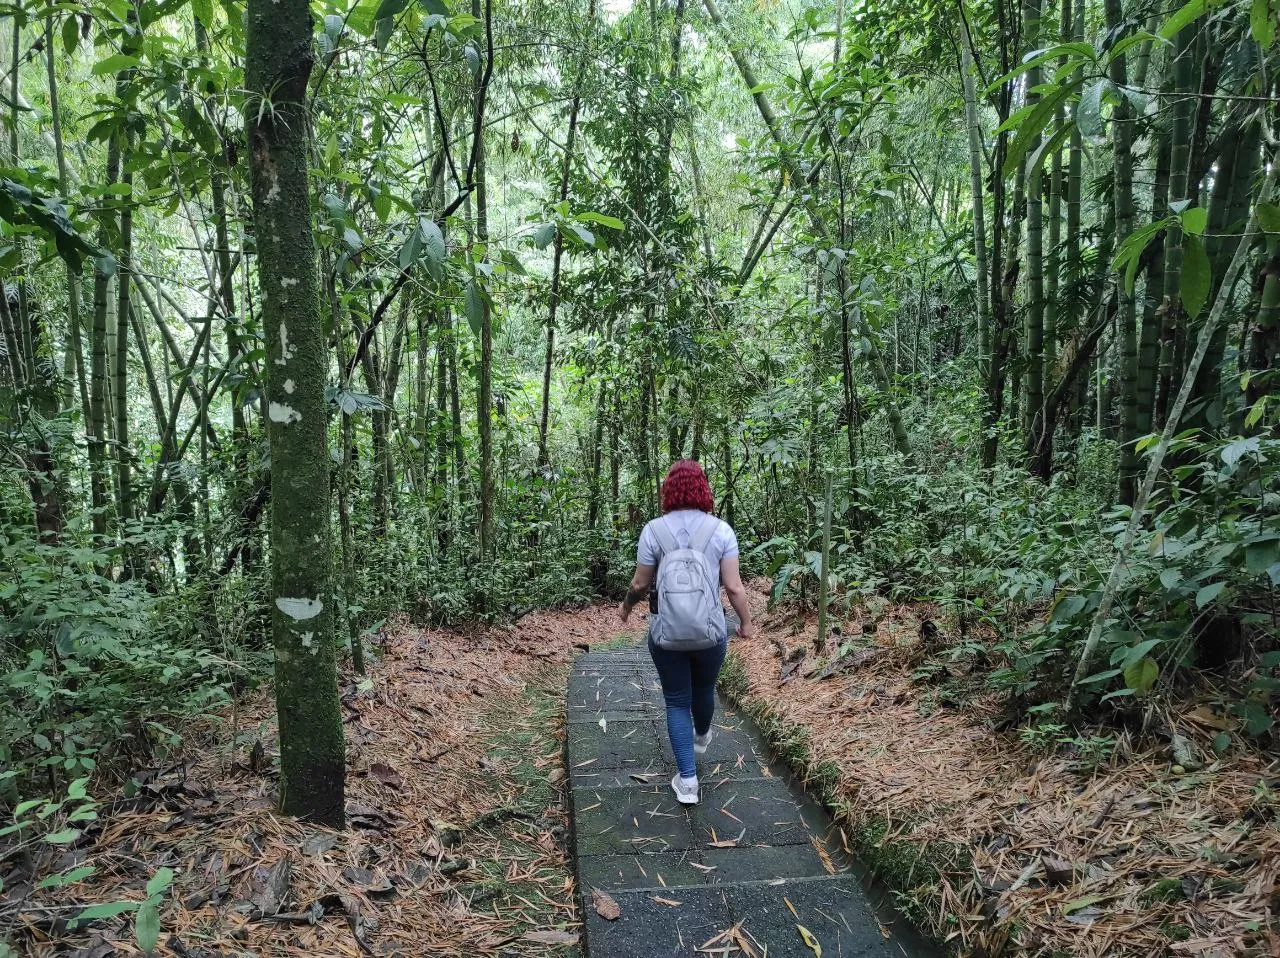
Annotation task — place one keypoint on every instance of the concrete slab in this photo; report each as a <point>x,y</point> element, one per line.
<point>748,864</point>
<point>662,870</point>
<point>834,910</point>
<point>761,812</point>
<point>651,929</point>
<point>629,822</point>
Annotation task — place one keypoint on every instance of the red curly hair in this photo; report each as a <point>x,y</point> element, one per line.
<point>686,487</point>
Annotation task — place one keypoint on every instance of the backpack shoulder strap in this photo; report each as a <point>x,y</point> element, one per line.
<point>666,541</point>
<point>704,534</point>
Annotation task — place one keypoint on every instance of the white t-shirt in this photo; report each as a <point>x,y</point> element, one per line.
<point>682,523</point>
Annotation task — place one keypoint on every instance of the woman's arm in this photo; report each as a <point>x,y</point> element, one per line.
<point>731,579</point>
<point>639,589</point>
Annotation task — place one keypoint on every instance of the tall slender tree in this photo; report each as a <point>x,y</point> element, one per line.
<point>278,64</point>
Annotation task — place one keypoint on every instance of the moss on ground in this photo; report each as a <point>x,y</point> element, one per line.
<point>518,733</point>
<point>911,869</point>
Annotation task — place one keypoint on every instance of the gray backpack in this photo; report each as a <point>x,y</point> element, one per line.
<point>689,615</point>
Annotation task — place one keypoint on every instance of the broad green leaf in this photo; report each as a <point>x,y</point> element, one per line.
<point>1260,556</point>
<point>587,237</point>
<point>1089,109</point>
<point>433,246</point>
<point>1256,413</point>
<point>70,34</point>
<point>610,221</point>
<point>1196,276</point>
<point>203,11</point>
<point>146,927</point>
<point>437,7</point>
<point>1209,593</point>
<point>68,878</point>
<point>390,8</point>
<point>410,250</point>
<point>160,881</point>
<point>1097,677</point>
<point>1234,451</point>
<point>382,30</point>
<point>1195,220</point>
<point>1182,17</point>
<point>1268,217</point>
<point>64,837</point>
<point>1069,607</point>
<point>105,910</point>
<point>1142,675</point>
<point>473,302</point>
<point>114,64</point>
<point>1262,23</point>
<point>544,235</point>
<point>1135,653</point>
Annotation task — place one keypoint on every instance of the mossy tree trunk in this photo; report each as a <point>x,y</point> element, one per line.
<point>1122,136</point>
<point>312,752</point>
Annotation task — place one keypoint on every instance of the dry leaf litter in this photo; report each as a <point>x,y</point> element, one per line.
<point>1054,857</point>
<point>438,858</point>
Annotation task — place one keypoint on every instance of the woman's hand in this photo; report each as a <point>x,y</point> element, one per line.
<point>747,630</point>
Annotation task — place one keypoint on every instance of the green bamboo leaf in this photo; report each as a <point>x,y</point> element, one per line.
<point>610,221</point>
<point>1035,58</point>
<point>114,64</point>
<point>1196,276</point>
<point>1183,17</point>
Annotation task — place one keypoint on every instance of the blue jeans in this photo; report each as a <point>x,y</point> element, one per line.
<point>689,690</point>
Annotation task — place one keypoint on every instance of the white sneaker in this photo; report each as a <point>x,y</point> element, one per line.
<point>700,743</point>
<point>686,789</point>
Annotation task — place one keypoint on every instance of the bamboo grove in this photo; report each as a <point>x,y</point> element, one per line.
<point>320,313</point>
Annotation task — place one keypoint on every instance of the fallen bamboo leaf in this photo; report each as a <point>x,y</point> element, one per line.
<point>550,937</point>
<point>807,937</point>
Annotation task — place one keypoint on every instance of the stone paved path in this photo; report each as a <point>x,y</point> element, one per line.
<point>754,852</point>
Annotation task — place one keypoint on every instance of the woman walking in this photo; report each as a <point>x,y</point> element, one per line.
<point>688,630</point>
